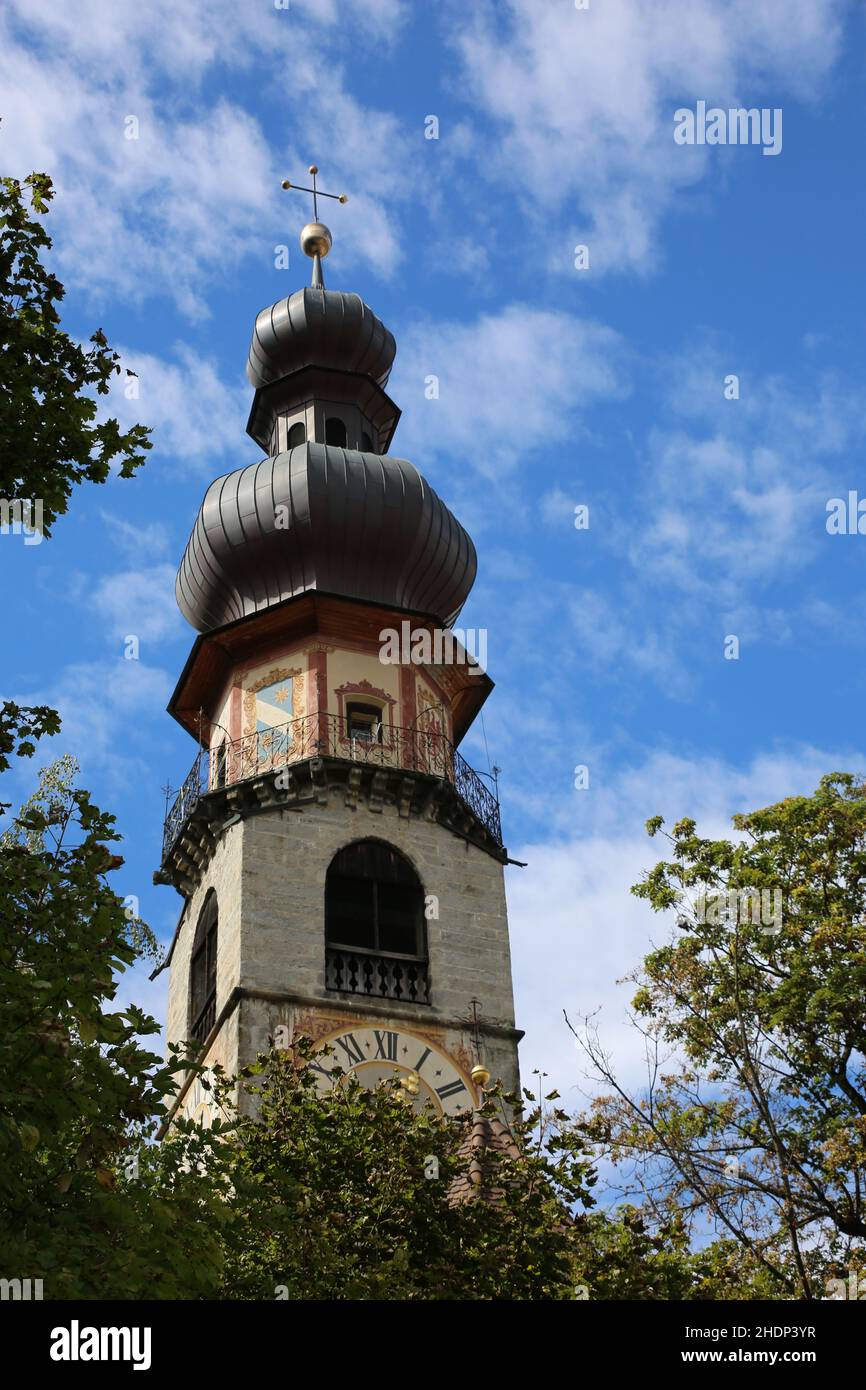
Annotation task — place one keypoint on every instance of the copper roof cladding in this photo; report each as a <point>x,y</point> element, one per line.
<point>364,526</point>
<point>322,328</point>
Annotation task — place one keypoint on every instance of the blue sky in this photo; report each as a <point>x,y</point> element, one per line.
<point>558,387</point>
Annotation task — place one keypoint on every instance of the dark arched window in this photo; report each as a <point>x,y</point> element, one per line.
<point>375,928</point>
<point>335,432</point>
<point>297,434</point>
<point>202,976</point>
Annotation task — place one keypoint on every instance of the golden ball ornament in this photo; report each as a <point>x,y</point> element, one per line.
<point>316,239</point>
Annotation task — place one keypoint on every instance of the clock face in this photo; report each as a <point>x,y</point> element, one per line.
<point>379,1054</point>
<point>199,1105</point>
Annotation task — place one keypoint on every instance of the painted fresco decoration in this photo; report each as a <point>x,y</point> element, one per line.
<point>273,711</point>
<point>431,716</point>
<point>430,725</point>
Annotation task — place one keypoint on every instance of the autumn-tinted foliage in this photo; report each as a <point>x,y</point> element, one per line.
<point>755,1118</point>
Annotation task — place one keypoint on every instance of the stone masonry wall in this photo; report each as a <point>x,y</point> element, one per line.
<point>285,858</point>
<point>269,873</point>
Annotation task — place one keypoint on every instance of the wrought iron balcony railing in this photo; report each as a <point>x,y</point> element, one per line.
<point>354,970</point>
<point>325,735</point>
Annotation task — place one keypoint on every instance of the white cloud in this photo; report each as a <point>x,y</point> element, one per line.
<point>139,603</point>
<point>583,102</point>
<point>136,215</point>
<point>722,516</point>
<point>135,539</point>
<point>819,412</point>
<point>616,635</point>
<point>105,707</point>
<point>556,509</point>
<point>721,505</point>
<point>171,211</point>
<point>492,410</point>
<point>734,492</point>
<point>194,414</point>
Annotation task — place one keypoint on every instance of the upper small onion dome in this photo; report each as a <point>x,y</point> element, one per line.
<point>319,328</point>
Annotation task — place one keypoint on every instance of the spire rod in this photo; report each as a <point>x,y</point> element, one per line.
<point>316,239</point>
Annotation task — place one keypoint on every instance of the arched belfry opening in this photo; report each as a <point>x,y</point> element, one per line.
<point>335,432</point>
<point>375,928</point>
<point>202,973</point>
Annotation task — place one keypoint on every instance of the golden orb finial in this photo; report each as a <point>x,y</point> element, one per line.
<point>480,1075</point>
<point>316,239</point>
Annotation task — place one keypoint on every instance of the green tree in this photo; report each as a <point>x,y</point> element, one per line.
<point>347,1195</point>
<point>49,437</point>
<point>354,1195</point>
<point>87,1203</point>
<point>20,729</point>
<point>754,1118</point>
<point>625,1255</point>
<point>351,1194</point>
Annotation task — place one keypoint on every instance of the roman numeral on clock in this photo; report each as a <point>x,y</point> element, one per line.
<point>386,1044</point>
<point>349,1044</point>
<point>452,1089</point>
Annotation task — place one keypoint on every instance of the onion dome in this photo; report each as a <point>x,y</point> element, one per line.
<point>329,509</point>
<point>319,328</point>
<point>359,525</point>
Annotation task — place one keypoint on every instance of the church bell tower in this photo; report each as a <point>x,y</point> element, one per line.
<point>341,864</point>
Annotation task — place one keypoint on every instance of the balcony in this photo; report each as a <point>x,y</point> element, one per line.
<point>376,975</point>
<point>314,740</point>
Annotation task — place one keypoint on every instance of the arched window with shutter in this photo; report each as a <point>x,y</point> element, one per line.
<point>375,927</point>
<point>202,975</point>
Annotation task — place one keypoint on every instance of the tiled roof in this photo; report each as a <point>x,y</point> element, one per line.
<point>485,1133</point>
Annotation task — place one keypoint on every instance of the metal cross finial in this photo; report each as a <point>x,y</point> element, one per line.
<point>316,192</point>
<point>316,240</point>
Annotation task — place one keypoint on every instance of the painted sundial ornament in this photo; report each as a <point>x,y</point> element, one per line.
<point>316,239</point>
